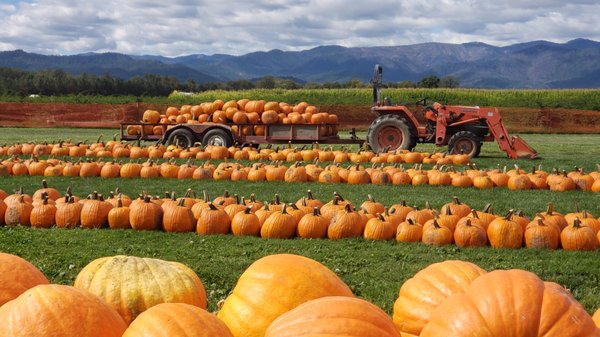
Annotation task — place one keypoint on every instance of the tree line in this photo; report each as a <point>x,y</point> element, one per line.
<point>57,82</point>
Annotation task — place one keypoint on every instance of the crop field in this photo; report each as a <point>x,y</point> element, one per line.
<point>374,270</point>
<point>586,99</point>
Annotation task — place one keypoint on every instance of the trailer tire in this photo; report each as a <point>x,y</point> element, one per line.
<point>391,132</point>
<point>465,142</point>
<point>217,137</point>
<point>183,137</point>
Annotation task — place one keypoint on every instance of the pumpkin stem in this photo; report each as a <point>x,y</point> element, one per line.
<point>550,208</point>
<point>577,222</point>
<point>309,195</point>
<point>509,215</point>
<point>468,222</point>
<point>339,196</point>
<point>380,216</point>
<point>120,201</point>
<point>475,215</point>
<point>540,222</point>
<point>316,211</point>
<point>436,224</point>
<point>181,202</point>
<point>370,197</point>
<point>584,214</point>
<point>347,208</point>
<point>577,207</point>
<point>205,196</point>
<point>456,201</point>
<point>248,210</point>
<point>283,209</point>
<point>410,221</point>
<point>448,211</point>
<point>488,209</point>
<point>427,205</point>
<point>212,206</point>
<point>44,183</point>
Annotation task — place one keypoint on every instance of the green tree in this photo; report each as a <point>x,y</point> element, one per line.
<point>449,82</point>
<point>429,82</point>
<point>267,82</point>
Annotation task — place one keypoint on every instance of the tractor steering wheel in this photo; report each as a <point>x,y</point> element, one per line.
<point>422,102</point>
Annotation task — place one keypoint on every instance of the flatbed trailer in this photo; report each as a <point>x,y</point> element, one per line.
<point>229,134</point>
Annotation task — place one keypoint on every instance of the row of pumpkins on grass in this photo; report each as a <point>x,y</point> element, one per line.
<point>117,149</point>
<point>283,295</point>
<point>354,174</point>
<point>307,218</point>
<point>241,111</point>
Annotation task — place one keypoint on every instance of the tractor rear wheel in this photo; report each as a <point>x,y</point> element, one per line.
<point>465,142</point>
<point>390,132</point>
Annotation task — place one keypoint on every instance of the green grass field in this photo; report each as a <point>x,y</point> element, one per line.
<point>374,270</point>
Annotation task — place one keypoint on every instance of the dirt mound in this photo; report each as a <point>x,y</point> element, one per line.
<point>350,116</point>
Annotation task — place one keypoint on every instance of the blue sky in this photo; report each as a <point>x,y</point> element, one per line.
<point>183,27</point>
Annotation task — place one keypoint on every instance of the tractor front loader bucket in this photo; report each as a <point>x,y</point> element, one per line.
<point>521,149</point>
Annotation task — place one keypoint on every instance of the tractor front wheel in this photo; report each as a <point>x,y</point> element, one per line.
<point>390,132</point>
<point>464,142</point>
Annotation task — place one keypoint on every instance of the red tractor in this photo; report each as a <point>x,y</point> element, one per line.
<point>462,128</point>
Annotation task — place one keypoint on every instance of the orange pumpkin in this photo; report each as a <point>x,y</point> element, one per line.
<point>59,310</point>
<point>177,320</point>
<point>16,276</point>
<point>281,225</point>
<point>430,287</point>
<point>248,311</point>
<point>334,316</point>
<point>505,233</point>
<point>510,303</point>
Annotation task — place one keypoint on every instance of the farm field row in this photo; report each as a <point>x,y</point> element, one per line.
<point>563,151</point>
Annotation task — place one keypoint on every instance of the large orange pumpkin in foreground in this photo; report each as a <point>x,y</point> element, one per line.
<point>52,310</point>
<point>334,316</point>
<point>274,285</point>
<point>177,320</point>
<point>421,294</point>
<point>511,303</point>
<point>133,284</point>
<point>16,276</point>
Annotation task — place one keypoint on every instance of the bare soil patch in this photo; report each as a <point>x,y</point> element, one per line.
<point>350,116</point>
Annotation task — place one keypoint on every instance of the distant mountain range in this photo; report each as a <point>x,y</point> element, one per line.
<point>537,64</point>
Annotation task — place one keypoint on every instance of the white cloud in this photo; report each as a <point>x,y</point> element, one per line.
<point>181,27</point>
